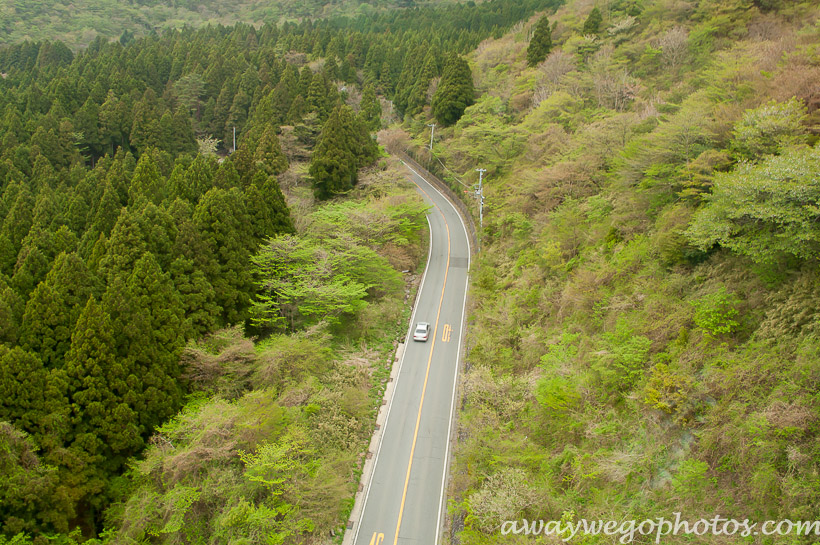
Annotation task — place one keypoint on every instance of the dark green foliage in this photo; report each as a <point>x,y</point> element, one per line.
<point>267,208</point>
<point>371,109</point>
<point>11,313</point>
<point>268,156</point>
<point>455,91</point>
<point>344,147</point>
<point>125,246</point>
<point>592,25</point>
<point>54,307</point>
<point>152,329</point>
<point>104,423</point>
<point>223,220</point>
<point>27,495</point>
<point>147,181</point>
<point>540,43</point>
<point>31,395</point>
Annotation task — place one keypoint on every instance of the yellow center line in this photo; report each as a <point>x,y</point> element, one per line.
<point>426,375</point>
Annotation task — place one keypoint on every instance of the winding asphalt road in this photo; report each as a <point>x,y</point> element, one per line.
<point>404,502</point>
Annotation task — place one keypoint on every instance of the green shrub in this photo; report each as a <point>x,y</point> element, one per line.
<point>620,363</point>
<point>669,392</point>
<point>715,313</point>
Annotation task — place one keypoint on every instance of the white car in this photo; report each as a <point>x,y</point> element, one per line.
<point>422,331</point>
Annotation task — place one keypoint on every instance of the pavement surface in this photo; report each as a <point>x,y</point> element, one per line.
<point>403,502</point>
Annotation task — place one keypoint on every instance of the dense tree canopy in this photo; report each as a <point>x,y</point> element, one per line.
<point>455,91</point>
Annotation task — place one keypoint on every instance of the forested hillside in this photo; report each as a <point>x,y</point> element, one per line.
<point>645,315</point>
<point>141,256</point>
<point>78,23</point>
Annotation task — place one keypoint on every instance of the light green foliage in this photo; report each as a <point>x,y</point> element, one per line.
<point>670,392</point>
<point>715,313</point>
<point>621,362</point>
<point>336,270</point>
<point>690,478</point>
<point>764,211</point>
<point>598,280</point>
<point>770,129</point>
<point>491,138</point>
<point>302,283</point>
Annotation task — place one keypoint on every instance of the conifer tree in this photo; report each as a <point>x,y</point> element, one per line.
<point>455,91</point>
<point>147,181</point>
<point>371,109</point>
<point>317,97</point>
<point>107,211</point>
<point>333,164</point>
<point>540,43</point>
<point>592,25</point>
<point>305,79</point>
<point>65,240</point>
<point>29,394</point>
<point>17,223</point>
<point>54,307</point>
<point>177,184</point>
<point>222,219</point>
<point>268,155</point>
<point>124,248</point>
<point>267,208</point>
<point>99,382</point>
<point>156,337</point>
<point>197,296</point>
<point>226,176</point>
<point>32,266</point>
<point>200,176</point>
<point>8,255</point>
<point>12,306</point>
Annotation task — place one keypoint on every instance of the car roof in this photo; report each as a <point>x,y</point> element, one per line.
<point>421,324</point>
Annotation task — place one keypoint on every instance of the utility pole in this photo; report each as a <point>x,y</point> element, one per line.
<point>234,138</point>
<point>432,130</point>
<point>480,194</point>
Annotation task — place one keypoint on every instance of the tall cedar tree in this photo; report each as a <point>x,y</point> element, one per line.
<point>98,382</point>
<point>455,91</point>
<point>54,307</point>
<point>268,155</point>
<point>593,23</point>
<point>344,146</point>
<point>371,109</point>
<point>221,216</point>
<point>541,42</point>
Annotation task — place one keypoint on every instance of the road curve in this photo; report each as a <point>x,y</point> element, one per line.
<point>404,500</point>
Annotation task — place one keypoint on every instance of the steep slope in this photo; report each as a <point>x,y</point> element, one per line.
<point>645,320</point>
